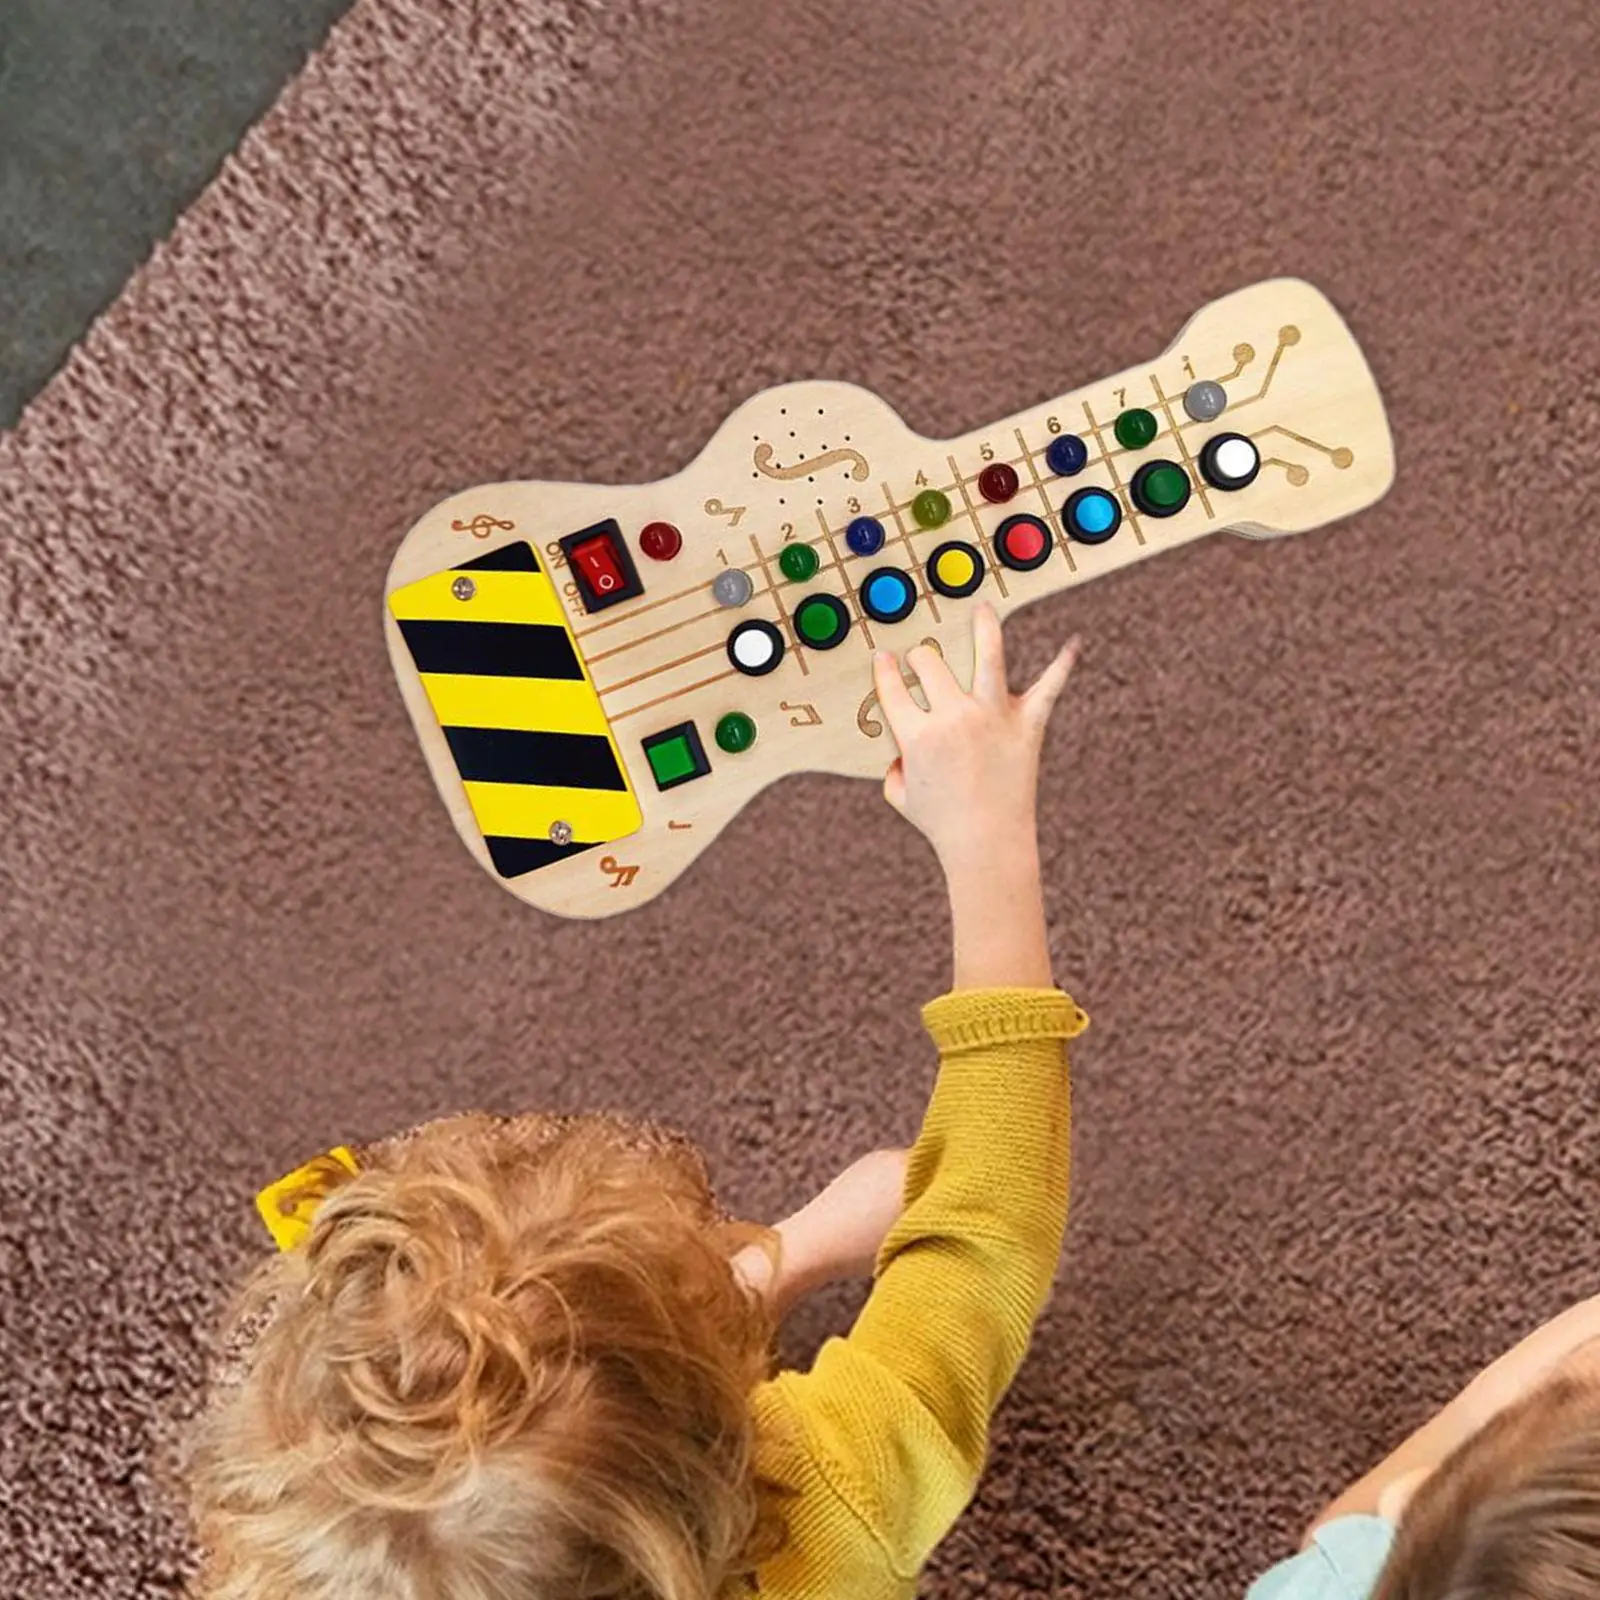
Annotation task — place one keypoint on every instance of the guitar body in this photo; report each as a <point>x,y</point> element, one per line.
<point>601,676</point>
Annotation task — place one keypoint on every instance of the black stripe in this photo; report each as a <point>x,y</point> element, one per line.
<point>513,857</point>
<point>511,755</point>
<point>495,649</point>
<point>518,557</point>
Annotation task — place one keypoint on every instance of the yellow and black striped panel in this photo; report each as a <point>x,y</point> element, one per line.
<point>518,709</point>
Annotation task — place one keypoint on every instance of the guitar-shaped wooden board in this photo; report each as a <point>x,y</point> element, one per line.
<point>601,676</point>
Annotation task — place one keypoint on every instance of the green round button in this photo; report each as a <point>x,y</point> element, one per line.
<point>931,508</point>
<point>1135,428</point>
<point>799,562</point>
<point>1166,486</point>
<point>822,620</point>
<point>736,732</point>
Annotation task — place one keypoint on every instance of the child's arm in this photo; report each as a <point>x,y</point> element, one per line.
<point>836,1235</point>
<point>898,1414</point>
<point>967,776</point>
<point>1385,1490</point>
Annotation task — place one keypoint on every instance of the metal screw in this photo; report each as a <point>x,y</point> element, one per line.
<point>463,588</point>
<point>561,833</point>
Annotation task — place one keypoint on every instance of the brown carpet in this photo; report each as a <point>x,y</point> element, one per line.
<point>1320,818</point>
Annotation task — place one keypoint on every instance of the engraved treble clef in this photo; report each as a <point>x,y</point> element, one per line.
<point>481,525</point>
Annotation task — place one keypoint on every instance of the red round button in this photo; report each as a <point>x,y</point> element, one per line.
<point>1022,542</point>
<point>997,483</point>
<point>660,540</point>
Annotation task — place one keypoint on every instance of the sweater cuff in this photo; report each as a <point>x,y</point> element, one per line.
<point>969,1019</point>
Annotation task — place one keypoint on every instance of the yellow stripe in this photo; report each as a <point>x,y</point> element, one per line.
<point>534,705</point>
<point>526,811</point>
<point>496,597</point>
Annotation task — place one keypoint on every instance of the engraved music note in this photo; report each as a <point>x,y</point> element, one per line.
<point>871,725</point>
<point>482,526</point>
<point>804,469</point>
<point>621,876</point>
<point>715,508</point>
<point>809,717</point>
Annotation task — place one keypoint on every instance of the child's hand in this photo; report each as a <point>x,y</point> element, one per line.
<point>968,767</point>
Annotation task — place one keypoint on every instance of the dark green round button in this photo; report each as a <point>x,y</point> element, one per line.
<point>736,732</point>
<point>799,562</point>
<point>931,508</point>
<point>823,620</point>
<point>1135,428</point>
<point>1164,488</point>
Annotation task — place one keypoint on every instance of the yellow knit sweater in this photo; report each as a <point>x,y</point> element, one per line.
<point>878,1448</point>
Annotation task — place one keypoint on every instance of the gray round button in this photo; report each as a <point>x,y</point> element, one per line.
<point>732,588</point>
<point>1205,401</point>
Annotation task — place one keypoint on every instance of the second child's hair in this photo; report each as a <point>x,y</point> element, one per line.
<point>500,1366</point>
<point>1514,1513</point>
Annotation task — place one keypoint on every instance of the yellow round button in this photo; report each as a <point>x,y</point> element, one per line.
<point>955,569</point>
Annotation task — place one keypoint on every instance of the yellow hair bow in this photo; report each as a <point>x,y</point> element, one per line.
<point>288,1205</point>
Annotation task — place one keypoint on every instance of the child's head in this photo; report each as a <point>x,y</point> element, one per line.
<point>506,1362</point>
<point>1514,1512</point>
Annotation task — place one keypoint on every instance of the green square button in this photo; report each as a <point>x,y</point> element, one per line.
<point>676,755</point>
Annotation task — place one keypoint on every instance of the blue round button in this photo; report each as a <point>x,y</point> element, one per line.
<point>865,536</point>
<point>1066,455</point>
<point>888,595</point>
<point>1092,515</point>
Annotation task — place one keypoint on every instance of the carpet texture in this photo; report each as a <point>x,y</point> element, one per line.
<point>1320,816</point>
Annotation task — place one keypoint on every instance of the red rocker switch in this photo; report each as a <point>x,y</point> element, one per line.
<point>602,565</point>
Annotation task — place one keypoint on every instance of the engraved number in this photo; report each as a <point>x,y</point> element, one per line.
<point>1122,397</point>
<point>1188,366</point>
<point>1053,424</point>
<point>922,478</point>
<point>788,531</point>
<point>986,451</point>
<point>855,506</point>
<point>722,558</point>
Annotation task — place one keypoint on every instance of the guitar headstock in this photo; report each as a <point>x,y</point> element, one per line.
<point>1299,388</point>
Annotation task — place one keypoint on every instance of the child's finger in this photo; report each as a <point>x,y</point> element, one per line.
<point>894,699</point>
<point>934,674</point>
<point>988,656</point>
<point>1041,698</point>
<point>894,785</point>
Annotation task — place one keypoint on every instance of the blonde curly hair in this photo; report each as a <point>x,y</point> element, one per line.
<point>511,1359</point>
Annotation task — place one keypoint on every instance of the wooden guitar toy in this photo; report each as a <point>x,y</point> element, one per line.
<point>602,676</point>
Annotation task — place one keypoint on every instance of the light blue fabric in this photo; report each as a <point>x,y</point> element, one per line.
<point>1343,1563</point>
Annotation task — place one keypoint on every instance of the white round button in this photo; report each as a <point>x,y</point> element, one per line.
<point>1236,458</point>
<point>755,648</point>
<point>1229,461</point>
